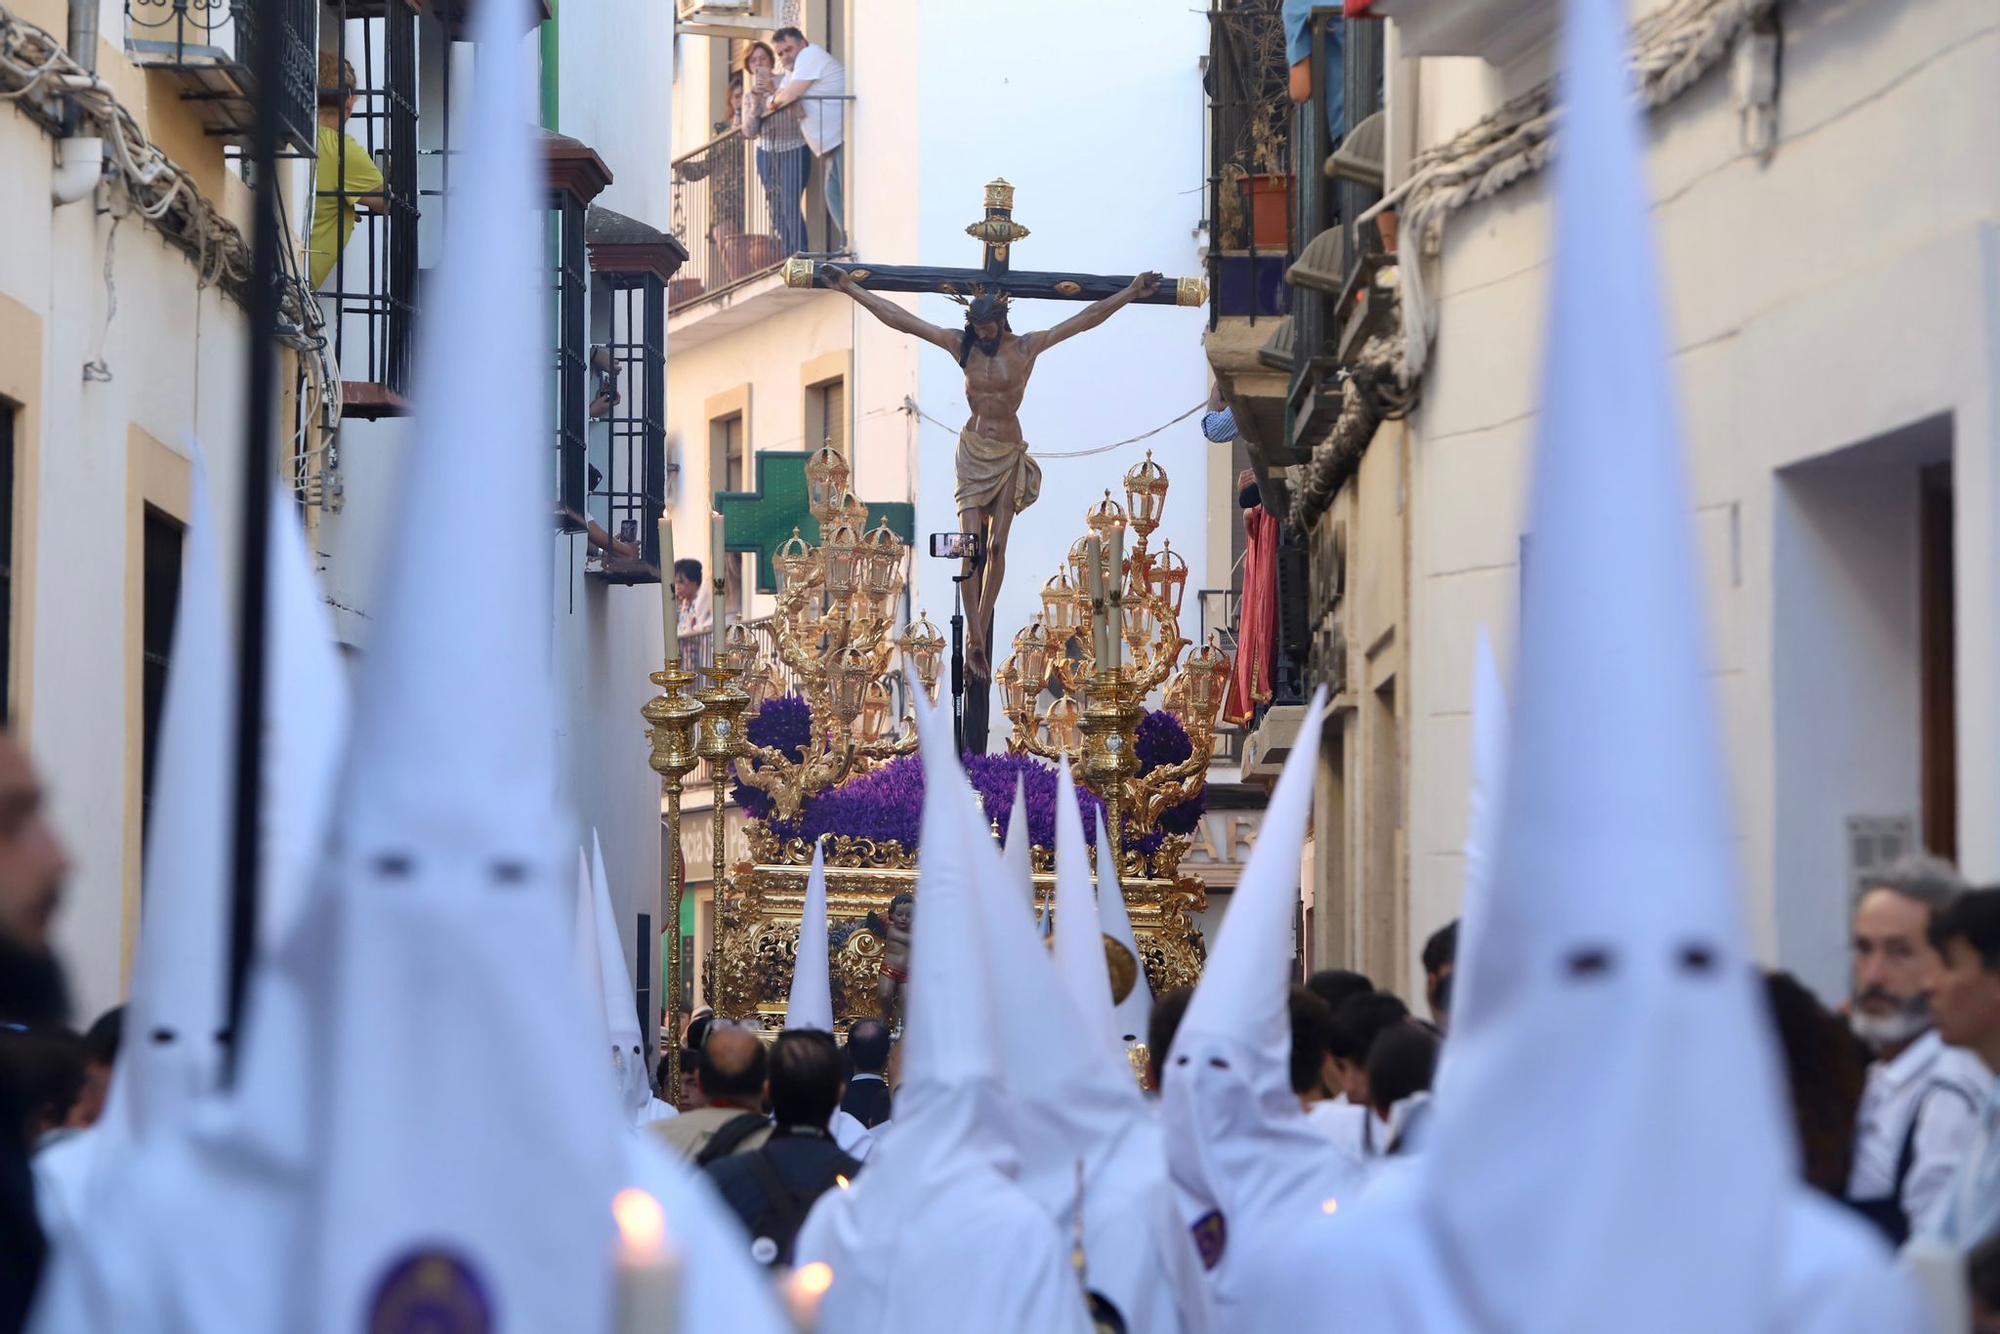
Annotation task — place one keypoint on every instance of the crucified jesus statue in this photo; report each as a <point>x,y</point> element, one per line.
<point>996,478</point>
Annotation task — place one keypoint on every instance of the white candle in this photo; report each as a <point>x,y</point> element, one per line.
<point>648,1269</point>
<point>1116,576</point>
<point>716,553</point>
<point>1093,571</point>
<point>805,1290</point>
<point>670,606</point>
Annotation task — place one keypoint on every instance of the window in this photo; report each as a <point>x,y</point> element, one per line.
<point>367,280</point>
<point>6,562</point>
<point>725,443</point>
<point>567,277</point>
<point>826,415</point>
<point>728,464</point>
<point>162,537</point>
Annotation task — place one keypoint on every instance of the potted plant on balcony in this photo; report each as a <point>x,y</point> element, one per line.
<point>1268,184</point>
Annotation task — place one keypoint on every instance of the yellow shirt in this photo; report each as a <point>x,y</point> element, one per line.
<point>334,194</point>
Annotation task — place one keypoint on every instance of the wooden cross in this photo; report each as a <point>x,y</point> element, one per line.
<point>996,232</point>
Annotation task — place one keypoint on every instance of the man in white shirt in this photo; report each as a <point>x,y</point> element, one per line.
<point>1923,1098</point>
<point>1965,1001</point>
<point>813,73</point>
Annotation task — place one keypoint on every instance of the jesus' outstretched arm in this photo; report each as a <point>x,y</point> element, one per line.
<point>894,315</point>
<point>1092,315</point>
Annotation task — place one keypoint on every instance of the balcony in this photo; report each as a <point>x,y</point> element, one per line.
<point>210,49</point>
<point>743,208</point>
<point>631,265</point>
<point>1253,218</point>
<point>575,175</point>
<point>367,285</point>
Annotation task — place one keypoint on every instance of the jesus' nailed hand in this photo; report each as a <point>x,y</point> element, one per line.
<point>996,478</point>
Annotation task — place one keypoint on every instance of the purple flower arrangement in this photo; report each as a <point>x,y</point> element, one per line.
<point>887,804</point>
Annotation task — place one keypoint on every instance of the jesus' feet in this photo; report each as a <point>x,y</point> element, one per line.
<point>975,658</point>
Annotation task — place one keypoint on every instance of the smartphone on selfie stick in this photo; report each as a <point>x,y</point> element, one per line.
<point>970,548</point>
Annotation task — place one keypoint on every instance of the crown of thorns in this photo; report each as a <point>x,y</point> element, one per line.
<point>981,304</point>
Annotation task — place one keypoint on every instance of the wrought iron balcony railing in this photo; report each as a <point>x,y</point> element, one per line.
<point>367,286</point>
<point>745,205</point>
<point>211,46</point>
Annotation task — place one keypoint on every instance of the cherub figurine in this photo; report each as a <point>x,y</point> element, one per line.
<point>895,966</point>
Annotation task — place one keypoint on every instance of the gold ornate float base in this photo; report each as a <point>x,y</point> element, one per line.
<point>763,902</point>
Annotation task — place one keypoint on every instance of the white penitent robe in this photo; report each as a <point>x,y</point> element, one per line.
<point>855,1140</point>
<point>1394,1277</point>
<point>945,1267</point>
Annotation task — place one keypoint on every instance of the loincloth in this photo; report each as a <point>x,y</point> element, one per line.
<point>893,973</point>
<point>985,468</point>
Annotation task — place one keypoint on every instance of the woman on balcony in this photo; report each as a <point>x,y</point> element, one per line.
<point>721,165</point>
<point>783,159</point>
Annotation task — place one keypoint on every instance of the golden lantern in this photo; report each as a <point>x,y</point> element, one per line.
<point>852,512</point>
<point>842,552</point>
<point>826,478</point>
<point>881,562</point>
<point>1063,721</point>
<point>739,648</point>
<point>809,606</point>
<point>1031,652</point>
<point>1145,495</point>
<point>1202,677</point>
<point>1059,610</point>
<point>793,561</point>
<point>851,670</point>
<point>1106,517</point>
<point>764,685</point>
<point>875,703</point>
<point>1079,563</point>
<point>1166,578</point>
<point>922,648</point>
<point>1012,695</point>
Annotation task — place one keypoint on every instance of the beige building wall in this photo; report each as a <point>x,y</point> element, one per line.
<point>1831,312</point>
<point>91,454</point>
<point>1360,857</point>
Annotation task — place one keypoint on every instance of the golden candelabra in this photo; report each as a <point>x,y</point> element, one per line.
<point>831,642</point>
<point>722,706</point>
<point>1107,639</point>
<point>671,717</point>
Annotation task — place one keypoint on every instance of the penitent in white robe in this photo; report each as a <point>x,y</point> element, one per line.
<point>1394,1277</point>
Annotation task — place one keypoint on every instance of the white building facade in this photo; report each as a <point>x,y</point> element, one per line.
<point>1826,200</point>
<point>119,356</point>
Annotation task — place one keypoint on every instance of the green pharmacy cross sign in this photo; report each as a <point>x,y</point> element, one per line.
<point>761,521</point>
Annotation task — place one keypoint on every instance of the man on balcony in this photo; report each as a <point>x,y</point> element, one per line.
<point>813,73</point>
<point>345,179</point>
<point>1298,52</point>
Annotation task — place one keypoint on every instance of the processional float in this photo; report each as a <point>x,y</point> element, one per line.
<point>804,718</point>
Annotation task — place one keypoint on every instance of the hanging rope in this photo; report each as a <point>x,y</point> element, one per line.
<point>910,405</point>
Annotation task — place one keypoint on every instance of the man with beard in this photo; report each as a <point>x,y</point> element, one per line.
<point>32,867</point>
<point>1923,1098</point>
<point>996,478</point>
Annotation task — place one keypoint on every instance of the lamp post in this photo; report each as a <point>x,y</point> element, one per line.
<point>671,716</point>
